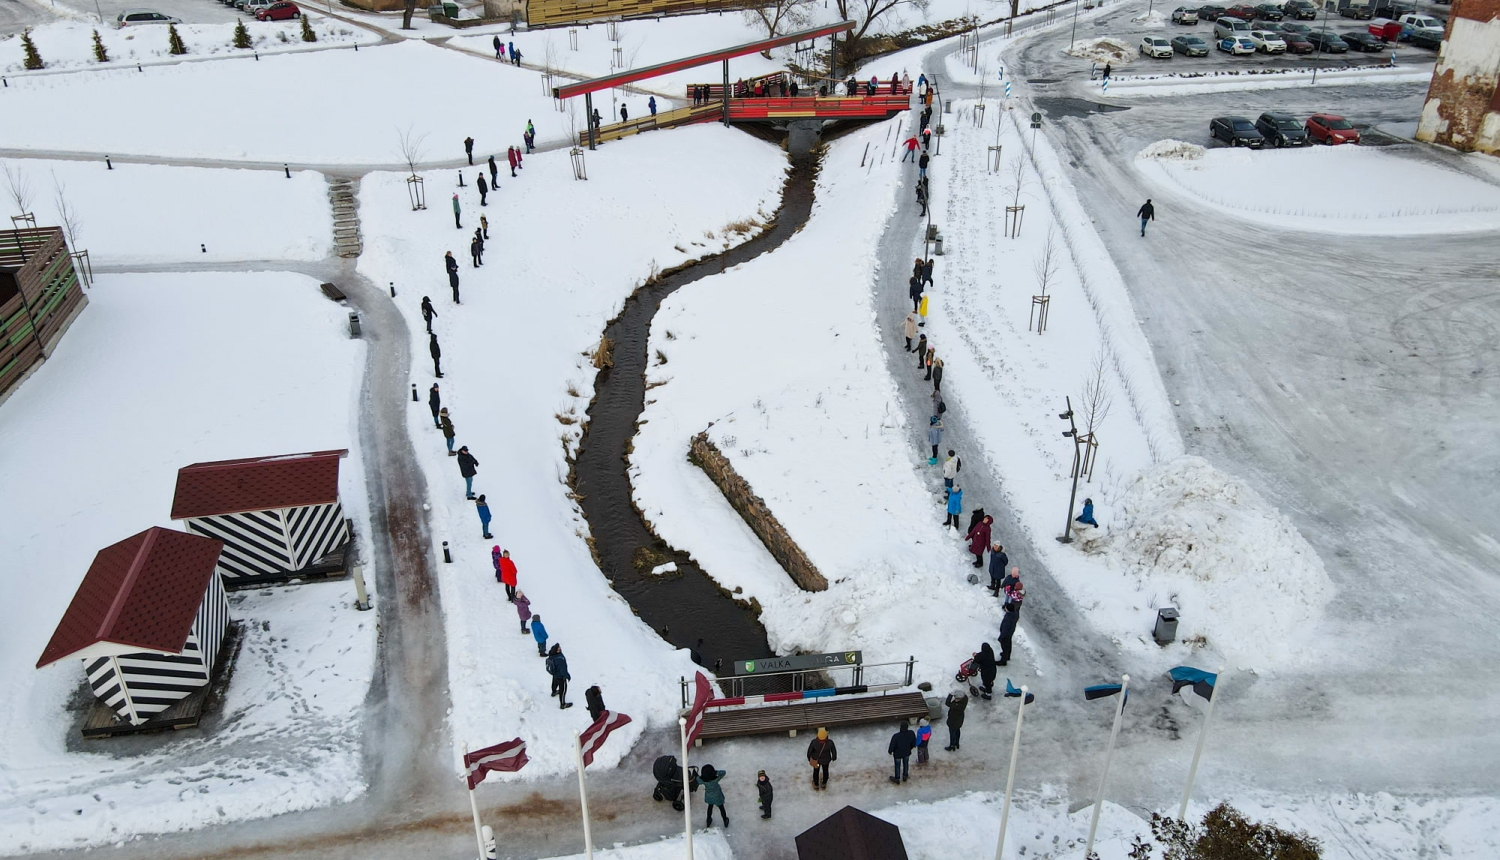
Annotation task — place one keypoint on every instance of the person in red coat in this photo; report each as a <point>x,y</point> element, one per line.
<point>506,569</point>
<point>979,540</point>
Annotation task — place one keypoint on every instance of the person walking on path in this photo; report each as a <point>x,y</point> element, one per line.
<point>452,267</point>
<point>467,467</point>
<point>457,213</point>
<point>539,633</point>
<point>495,555</point>
<point>1147,212</point>
<point>469,149</point>
<point>509,576</point>
<point>927,271</point>
<point>924,735</point>
<point>979,538</point>
<point>952,465</point>
<point>911,148</point>
<point>624,114</point>
<point>446,425</point>
<point>484,189</point>
<point>557,667</point>
<point>914,290</point>
<point>1087,517</point>
<point>520,162</point>
<point>766,792</point>
<point>938,406</point>
<point>484,225</point>
<point>922,199</point>
<point>921,350</point>
<point>922,311</point>
<point>713,793</point>
<point>900,747</point>
<point>985,659</point>
<point>515,56</point>
<point>955,508</point>
<point>921,168</point>
<point>523,609</point>
<point>435,403</point>
<point>427,314</point>
<point>928,362</point>
<point>909,328</point>
<point>593,699</point>
<point>934,437</point>
<point>821,753</point>
<point>956,703</point>
<point>651,105</point>
<point>937,374</point>
<point>510,156</point>
<point>476,250</point>
<point>926,137</point>
<point>1015,595</point>
<point>499,48</point>
<point>1107,69</point>
<point>483,508</point>
<point>437,355</point>
<point>494,173</point>
<point>998,561</point>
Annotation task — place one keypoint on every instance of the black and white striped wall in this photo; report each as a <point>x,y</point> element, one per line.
<point>273,543</point>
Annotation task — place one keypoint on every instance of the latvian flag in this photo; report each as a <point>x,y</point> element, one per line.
<point>594,736</point>
<point>1193,684</point>
<point>508,757</point>
<point>1099,691</point>
<point>703,692</point>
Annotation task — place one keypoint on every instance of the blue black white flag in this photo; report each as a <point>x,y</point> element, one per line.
<point>1011,692</point>
<point>1099,691</point>
<point>1192,683</point>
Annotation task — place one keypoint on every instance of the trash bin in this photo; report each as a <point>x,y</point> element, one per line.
<point>435,12</point>
<point>947,105</point>
<point>937,248</point>
<point>931,232</point>
<point>1166,626</point>
<point>353,324</point>
<point>450,9</point>
<point>934,709</point>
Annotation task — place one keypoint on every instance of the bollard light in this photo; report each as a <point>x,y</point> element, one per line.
<point>414,393</point>
<point>447,556</point>
<point>393,289</point>
<point>288,170</point>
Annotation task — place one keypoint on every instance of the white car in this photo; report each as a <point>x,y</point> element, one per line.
<point>253,6</point>
<point>1267,42</point>
<point>1237,45</point>
<point>1156,46</point>
<point>132,17</point>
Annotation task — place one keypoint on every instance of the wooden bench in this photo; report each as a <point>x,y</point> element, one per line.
<point>812,713</point>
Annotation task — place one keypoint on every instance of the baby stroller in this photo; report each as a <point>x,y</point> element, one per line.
<point>668,775</point>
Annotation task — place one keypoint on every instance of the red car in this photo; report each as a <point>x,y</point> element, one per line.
<point>279,12</point>
<point>1244,13</point>
<point>1330,129</point>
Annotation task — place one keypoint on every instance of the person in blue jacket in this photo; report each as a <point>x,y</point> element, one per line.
<point>539,633</point>
<point>955,508</point>
<point>934,437</point>
<point>1087,517</point>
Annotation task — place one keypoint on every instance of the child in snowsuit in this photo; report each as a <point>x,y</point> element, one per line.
<point>763,786</point>
<point>924,734</point>
<point>955,507</point>
<point>934,437</point>
<point>523,609</point>
<point>713,793</point>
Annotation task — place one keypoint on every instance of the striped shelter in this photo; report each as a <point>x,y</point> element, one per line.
<point>278,517</point>
<point>147,622</point>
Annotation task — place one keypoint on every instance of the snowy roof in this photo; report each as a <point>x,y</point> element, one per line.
<point>257,484</point>
<point>851,834</point>
<point>142,592</point>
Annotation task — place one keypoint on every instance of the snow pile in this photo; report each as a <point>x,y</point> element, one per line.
<point>707,845</point>
<point>1105,49</point>
<point>1150,19</point>
<point>1236,567</point>
<point>1173,150</point>
<point>70,44</point>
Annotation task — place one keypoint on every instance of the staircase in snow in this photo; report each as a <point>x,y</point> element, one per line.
<point>341,193</point>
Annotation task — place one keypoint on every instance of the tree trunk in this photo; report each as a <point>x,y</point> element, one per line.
<point>411,8</point>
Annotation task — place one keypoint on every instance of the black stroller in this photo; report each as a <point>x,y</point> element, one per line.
<point>668,775</point>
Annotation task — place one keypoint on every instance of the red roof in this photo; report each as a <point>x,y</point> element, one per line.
<point>143,592</point>
<point>257,484</point>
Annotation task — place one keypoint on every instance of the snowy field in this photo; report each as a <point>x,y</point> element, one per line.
<point>150,378</point>
<point>143,213</point>
<point>561,259</point>
<point>380,90</point>
<point>1340,189</point>
<point>70,44</point>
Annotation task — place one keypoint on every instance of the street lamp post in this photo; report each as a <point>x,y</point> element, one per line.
<point>1071,433</point>
<point>1073,37</point>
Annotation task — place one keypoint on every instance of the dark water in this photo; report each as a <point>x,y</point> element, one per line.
<point>685,606</point>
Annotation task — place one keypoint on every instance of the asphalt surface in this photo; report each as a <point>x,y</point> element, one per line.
<point>18,15</point>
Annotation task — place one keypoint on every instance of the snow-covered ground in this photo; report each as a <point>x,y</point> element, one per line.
<point>160,371</point>
<point>708,845</point>
<point>561,259</point>
<point>143,213</point>
<point>267,110</point>
<point>1340,189</point>
<point>70,44</point>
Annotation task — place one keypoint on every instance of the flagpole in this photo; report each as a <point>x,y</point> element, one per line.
<point>474,807</point>
<point>1202,739</point>
<point>1010,781</point>
<point>687,793</point>
<point>583,799</point>
<point>1114,733</point>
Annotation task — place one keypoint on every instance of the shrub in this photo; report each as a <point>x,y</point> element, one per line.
<point>100,55</point>
<point>175,46</point>
<point>33,59</point>
<point>307,31</point>
<point>241,35</point>
<point>1225,834</point>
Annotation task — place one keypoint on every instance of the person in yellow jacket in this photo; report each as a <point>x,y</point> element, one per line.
<point>922,310</point>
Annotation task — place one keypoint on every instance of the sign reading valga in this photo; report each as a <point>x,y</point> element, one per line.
<point>799,662</point>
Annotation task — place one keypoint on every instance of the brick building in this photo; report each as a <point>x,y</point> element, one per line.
<point>1463,102</point>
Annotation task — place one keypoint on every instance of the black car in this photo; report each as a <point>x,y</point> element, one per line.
<point>1362,41</point>
<point>1426,39</point>
<point>1210,13</point>
<point>1294,27</point>
<point>1281,130</point>
<point>1269,12</point>
<point>1235,131</point>
<point>1328,43</point>
<point>1190,45</point>
<point>1302,10</point>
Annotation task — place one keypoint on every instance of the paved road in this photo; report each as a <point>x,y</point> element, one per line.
<point>18,15</point>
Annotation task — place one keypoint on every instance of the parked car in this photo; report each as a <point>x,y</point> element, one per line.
<point>1384,29</point>
<point>1245,13</point>
<point>1331,129</point>
<point>1267,42</point>
<point>1182,15</point>
<point>1192,46</point>
<point>1227,27</point>
<point>279,11</point>
<point>1426,39</point>
<point>1210,13</point>
<point>1412,23</point>
<point>1328,43</point>
<point>1359,40</point>
<point>1156,46</point>
<point>1281,129</point>
<point>1360,10</point>
<point>132,17</point>
<point>1236,45</point>
<point>1302,10</point>
<point>1294,27</point>
<point>1269,12</point>
<point>1393,9</point>
<point>1235,131</point>
<point>1296,43</point>
<point>253,6</point>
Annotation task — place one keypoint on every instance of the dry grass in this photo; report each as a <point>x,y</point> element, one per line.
<point>661,357</point>
<point>603,355</point>
<point>743,226</point>
<point>573,389</point>
<point>657,384</point>
<point>566,420</point>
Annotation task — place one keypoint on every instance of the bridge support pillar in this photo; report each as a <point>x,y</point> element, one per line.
<point>588,119</point>
<point>726,92</point>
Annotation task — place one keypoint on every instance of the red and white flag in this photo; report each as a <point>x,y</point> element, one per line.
<point>593,737</point>
<point>508,757</point>
<point>702,693</point>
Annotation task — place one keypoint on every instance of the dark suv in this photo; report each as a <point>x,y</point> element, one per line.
<point>1269,12</point>
<point>1235,131</point>
<point>1302,10</point>
<point>1281,130</point>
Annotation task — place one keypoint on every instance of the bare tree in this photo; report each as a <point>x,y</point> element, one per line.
<point>1018,179</point>
<point>864,13</point>
<point>406,13</point>
<point>779,16</point>
<point>549,55</point>
<point>1047,262</point>
<point>573,122</point>
<point>1094,405</point>
<point>72,222</point>
<point>410,146</point>
<point>19,185</point>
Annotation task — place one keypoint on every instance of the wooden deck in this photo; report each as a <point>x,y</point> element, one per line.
<point>811,714</point>
<point>334,564</point>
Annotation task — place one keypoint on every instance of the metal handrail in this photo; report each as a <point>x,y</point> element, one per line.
<point>798,676</point>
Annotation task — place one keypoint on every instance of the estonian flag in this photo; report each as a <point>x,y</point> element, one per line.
<point>1012,693</point>
<point>1199,682</point>
<point>1099,691</point>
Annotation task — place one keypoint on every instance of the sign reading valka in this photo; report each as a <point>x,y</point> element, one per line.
<point>798,663</point>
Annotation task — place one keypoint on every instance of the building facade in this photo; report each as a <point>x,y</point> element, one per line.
<point>1463,101</point>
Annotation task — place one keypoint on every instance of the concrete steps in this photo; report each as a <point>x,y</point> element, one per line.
<point>343,196</point>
